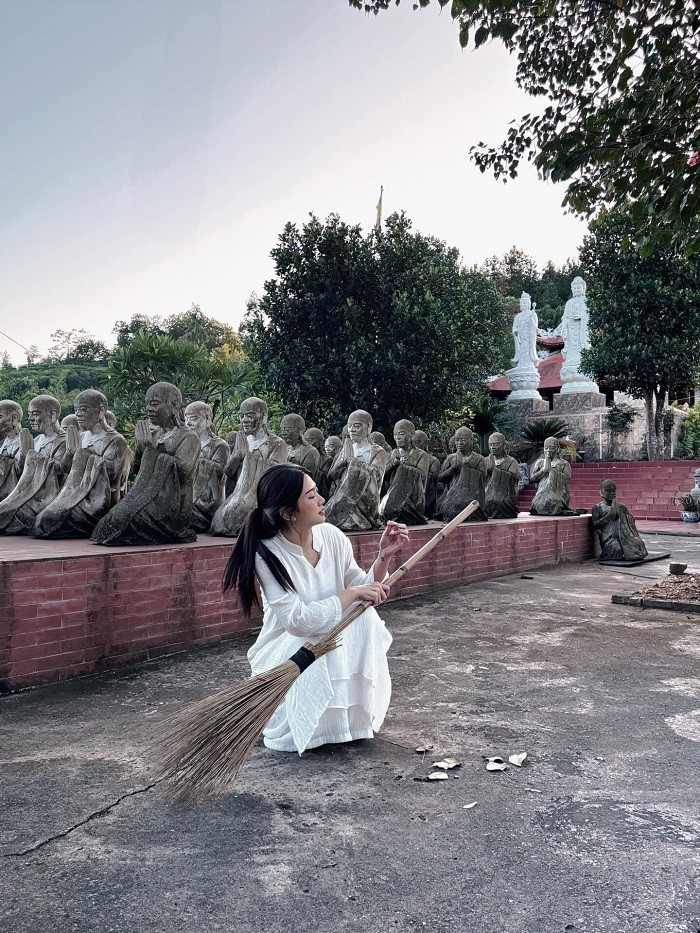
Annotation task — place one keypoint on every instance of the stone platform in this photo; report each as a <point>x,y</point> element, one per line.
<point>71,607</point>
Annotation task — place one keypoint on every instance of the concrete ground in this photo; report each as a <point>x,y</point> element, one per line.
<point>597,832</point>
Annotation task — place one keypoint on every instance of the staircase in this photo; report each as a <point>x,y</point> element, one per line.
<point>646,488</point>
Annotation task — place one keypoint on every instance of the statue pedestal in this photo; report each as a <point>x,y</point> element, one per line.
<point>524,382</point>
<point>575,402</point>
<point>527,407</point>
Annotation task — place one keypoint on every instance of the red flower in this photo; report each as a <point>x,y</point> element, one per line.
<point>694,159</point>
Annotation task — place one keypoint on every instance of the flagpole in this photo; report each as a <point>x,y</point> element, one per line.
<point>378,222</point>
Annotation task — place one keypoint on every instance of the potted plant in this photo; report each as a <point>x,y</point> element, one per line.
<point>690,507</point>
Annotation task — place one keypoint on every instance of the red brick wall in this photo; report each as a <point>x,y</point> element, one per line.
<point>646,488</point>
<point>62,616</point>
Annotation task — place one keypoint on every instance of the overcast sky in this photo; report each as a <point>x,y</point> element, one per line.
<point>152,150</point>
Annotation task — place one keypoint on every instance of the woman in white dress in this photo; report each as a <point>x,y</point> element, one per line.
<point>309,580</point>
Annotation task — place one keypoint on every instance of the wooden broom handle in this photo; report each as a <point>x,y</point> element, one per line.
<point>405,567</point>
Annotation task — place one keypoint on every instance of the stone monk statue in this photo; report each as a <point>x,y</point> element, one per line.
<point>301,452</point>
<point>96,457</point>
<point>421,439</point>
<point>209,490</point>
<point>314,436</point>
<point>464,475</point>
<point>157,509</point>
<point>407,473</point>
<point>525,335</point>
<point>378,438</point>
<point>358,471</point>
<point>502,484</point>
<point>615,527</point>
<point>43,472</point>
<point>11,459</point>
<point>255,450</point>
<point>553,474</point>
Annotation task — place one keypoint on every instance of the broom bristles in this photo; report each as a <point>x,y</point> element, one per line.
<point>207,743</point>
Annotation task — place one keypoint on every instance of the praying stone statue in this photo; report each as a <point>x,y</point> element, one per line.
<point>378,438</point>
<point>333,446</point>
<point>524,377</point>
<point>314,436</point>
<point>301,452</point>
<point>616,528</point>
<point>209,490</point>
<point>157,509</point>
<point>96,458</point>
<point>358,471</point>
<point>502,484</point>
<point>464,476</point>
<point>70,421</point>
<point>407,472</point>
<point>553,474</point>
<point>11,459</point>
<point>421,439</point>
<point>43,473</point>
<point>255,450</point>
<point>574,330</point>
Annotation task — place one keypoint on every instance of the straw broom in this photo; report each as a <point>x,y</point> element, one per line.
<point>206,744</point>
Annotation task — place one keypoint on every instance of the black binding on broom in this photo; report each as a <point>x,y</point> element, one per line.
<point>303,658</point>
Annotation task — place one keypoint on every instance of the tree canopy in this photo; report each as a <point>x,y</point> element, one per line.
<point>622,122</point>
<point>389,322</point>
<point>644,319</point>
<point>192,325</point>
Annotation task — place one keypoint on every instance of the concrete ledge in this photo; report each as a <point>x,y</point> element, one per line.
<point>642,603</point>
<point>71,607</point>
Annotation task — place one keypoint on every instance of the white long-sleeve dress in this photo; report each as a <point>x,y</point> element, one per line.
<point>345,694</point>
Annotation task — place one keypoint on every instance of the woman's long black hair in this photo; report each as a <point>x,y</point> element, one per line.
<point>279,488</point>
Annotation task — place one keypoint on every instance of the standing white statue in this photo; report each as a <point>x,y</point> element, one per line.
<point>574,330</point>
<point>524,377</point>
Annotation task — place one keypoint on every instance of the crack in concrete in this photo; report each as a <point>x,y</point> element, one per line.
<point>92,816</point>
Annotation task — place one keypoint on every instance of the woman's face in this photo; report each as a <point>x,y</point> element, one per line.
<point>310,509</point>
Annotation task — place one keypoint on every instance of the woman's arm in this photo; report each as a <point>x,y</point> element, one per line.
<point>317,616</point>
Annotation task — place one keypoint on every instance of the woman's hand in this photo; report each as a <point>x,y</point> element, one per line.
<point>394,538</point>
<point>374,593</point>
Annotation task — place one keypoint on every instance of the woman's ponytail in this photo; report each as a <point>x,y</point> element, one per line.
<point>278,488</point>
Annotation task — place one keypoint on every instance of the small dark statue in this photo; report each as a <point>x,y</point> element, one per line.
<point>615,527</point>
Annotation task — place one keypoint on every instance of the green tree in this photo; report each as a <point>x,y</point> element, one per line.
<point>644,319</point>
<point>222,382</point>
<point>76,346</point>
<point>192,325</point>
<point>389,322</point>
<point>623,115</point>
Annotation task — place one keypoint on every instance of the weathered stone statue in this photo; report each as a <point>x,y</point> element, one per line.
<point>157,509</point>
<point>255,450</point>
<point>378,438</point>
<point>96,458</point>
<point>524,377</point>
<point>694,492</point>
<point>70,421</point>
<point>502,484</point>
<point>333,445</point>
<point>407,473</point>
<point>314,436</point>
<point>43,473</point>
<point>358,471</point>
<point>464,476</point>
<point>301,452</point>
<point>574,330</point>
<point>209,490</point>
<point>553,474</point>
<point>11,459</point>
<point>616,528</point>
<point>111,420</point>
<point>421,439</point>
